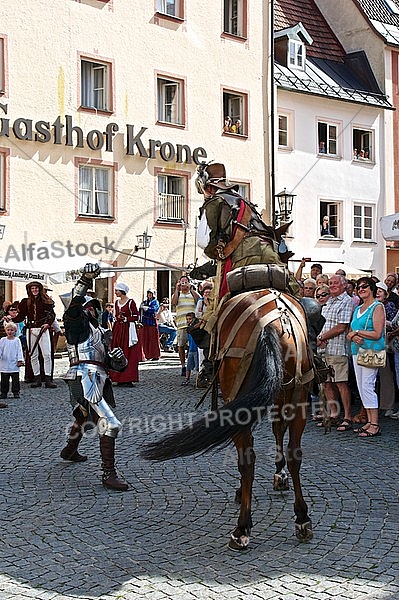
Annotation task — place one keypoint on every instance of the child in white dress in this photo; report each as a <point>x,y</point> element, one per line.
<point>11,359</point>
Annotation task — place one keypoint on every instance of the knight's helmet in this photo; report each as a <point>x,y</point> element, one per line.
<point>214,174</point>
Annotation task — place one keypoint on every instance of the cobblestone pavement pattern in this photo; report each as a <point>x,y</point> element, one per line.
<point>63,536</point>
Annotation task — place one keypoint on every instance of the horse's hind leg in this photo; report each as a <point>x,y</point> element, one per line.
<point>303,524</point>
<point>280,481</point>
<point>239,539</point>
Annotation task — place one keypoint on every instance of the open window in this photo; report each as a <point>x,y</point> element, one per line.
<point>170,100</point>
<point>285,130</point>
<point>172,198</point>
<point>235,111</point>
<point>363,222</point>
<point>363,145</point>
<point>235,17</point>
<point>327,138</point>
<point>330,220</point>
<point>95,85</point>
<point>296,54</point>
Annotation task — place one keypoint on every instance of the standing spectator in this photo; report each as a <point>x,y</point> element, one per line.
<point>192,356</point>
<point>184,299</point>
<point>38,310</point>
<point>149,333</point>
<point>166,324</point>
<point>367,330</point>
<point>309,288</point>
<point>338,313</point>
<point>11,359</point>
<point>124,336</point>
<point>387,386</point>
<point>322,294</point>
<point>391,281</point>
<point>315,270</point>
<point>107,317</point>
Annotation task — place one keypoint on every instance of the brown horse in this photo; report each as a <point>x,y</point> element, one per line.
<point>264,368</point>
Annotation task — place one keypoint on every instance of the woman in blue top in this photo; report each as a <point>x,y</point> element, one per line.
<point>149,333</point>
<point>367,329</point>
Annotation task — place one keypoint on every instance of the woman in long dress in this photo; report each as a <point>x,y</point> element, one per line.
<point>149,334</point>
<point>124,336</point>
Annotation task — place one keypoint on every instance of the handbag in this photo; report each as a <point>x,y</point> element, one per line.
<point>367,357</point>
<point>374,359</point>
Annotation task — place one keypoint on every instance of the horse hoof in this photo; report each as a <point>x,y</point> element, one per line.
<point>304,531</point>
<point>280,482</point>
<point>239,544</point>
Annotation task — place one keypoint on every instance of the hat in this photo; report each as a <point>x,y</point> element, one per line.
<point>382,286</point>
<point>122,287</point>
<point>36,283</point>
<point>213,174</point>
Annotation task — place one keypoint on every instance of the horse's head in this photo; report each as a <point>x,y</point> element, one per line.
<point>283,251</point>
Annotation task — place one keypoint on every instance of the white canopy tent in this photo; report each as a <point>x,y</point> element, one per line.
<point>49,268</point>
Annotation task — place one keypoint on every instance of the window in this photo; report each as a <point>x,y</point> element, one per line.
<point>363,219</point>
<point>296,54</point>
<point>95,191</point>
<point>4,179</point>
<point>362,145</point>
<point>3,65</point>
<point>332,227</point>
<point>327,138</point>
<point>95,85</point>
<point>172,194</point>
<point>170,100</point>
<point>285,130</point>
<point>243,190</point>
<point>172,8</point>
<point>235,107</point>
<point>235,17</point>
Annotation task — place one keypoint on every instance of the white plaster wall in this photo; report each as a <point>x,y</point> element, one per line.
<point>312,178</point>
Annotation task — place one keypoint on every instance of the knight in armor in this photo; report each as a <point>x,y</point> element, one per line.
<point>90,388</point>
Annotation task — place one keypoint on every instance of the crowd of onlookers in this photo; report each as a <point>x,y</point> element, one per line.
<point>361,315</point>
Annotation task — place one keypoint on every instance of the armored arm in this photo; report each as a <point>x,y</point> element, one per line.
<point>90,272</point>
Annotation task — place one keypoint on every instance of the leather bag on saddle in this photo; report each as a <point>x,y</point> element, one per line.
<point>258,277</point>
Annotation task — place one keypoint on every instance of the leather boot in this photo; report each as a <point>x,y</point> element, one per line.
<point>36,382</point>
<point>49,382</point>
<point>70,452</point>
<point>110,477</point>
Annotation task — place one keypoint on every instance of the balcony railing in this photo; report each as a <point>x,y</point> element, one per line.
<point>171,207</point>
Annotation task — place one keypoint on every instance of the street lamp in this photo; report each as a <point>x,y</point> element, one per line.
<point>2,230</point>
<point>285,201</point>
<point>143,243</point>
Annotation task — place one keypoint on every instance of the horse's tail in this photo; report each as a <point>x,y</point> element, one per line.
<point>261,386</point>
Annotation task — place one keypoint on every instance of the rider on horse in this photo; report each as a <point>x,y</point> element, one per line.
<point>230,229</point>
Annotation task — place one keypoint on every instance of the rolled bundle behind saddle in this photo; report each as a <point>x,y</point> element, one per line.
<point>258,277</point>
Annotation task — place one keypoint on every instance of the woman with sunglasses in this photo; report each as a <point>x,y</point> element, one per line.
<point>367,330</point>
<point>322,293</point>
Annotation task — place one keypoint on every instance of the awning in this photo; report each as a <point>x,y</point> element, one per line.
<point>48,268</point>
<point>390,227</point>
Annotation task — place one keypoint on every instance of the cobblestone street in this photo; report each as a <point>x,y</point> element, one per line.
<point>63,536</point>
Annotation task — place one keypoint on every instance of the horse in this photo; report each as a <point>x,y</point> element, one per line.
<point>264,367</point>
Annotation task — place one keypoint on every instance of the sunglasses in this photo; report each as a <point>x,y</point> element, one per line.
<point>364,286</point>
<point>323,295</point>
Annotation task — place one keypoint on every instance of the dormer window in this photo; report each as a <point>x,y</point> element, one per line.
<point>296,58</point>
<point>392,7</point>
<point>290,46</point>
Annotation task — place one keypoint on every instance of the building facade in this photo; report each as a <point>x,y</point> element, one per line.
<point>106,108</point>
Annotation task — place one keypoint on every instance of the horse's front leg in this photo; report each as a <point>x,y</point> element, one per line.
<point>239,539</point>
<point>303,524</point>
